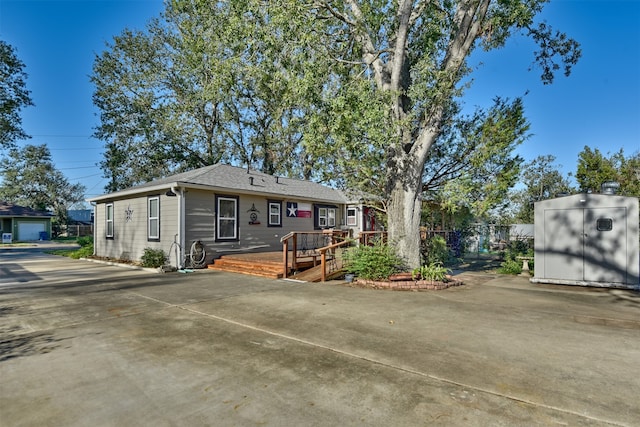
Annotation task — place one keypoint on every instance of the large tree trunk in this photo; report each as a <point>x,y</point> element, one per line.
<point>403,211</point>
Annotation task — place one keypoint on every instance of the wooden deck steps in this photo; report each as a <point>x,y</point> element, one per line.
<point>314,274</point>
<point>269,264</point>
<point>262,268</point>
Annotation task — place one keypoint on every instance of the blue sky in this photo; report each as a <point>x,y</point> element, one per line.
<point>597,106</point>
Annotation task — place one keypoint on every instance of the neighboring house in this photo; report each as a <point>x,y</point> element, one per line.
<point>227,208</point>
<point>80,216</point>
<point>18,223</point>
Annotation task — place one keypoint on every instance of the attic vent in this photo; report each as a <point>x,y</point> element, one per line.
<point>609,187</point>
<point>251,180</point>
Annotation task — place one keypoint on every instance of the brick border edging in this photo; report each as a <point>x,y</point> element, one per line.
<point>409,285</point>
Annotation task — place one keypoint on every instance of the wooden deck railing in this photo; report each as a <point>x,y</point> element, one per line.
<point>369,237</point>
<point>323,257</point>
<point>307,245</point>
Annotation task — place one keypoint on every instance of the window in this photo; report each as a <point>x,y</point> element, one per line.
<point>227,218</point>
<point>275,213</point>
<point>325,216</point>
<point>153,223</point>
<point>604,224</point>
<point>352,218</point>
<point>109,221</point>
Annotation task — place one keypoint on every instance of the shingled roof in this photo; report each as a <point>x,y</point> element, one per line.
<point>223,177</point>
<point>11,210</point>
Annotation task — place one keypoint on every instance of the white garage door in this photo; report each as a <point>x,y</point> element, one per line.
<point>30,230</point>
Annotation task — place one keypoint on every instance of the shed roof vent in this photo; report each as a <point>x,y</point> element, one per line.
<point>609,187</point>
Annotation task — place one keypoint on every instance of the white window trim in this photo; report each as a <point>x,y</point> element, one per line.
<point>234,218</point>
<point>277,215</point>
<point>352,220</point>
<point>150,234</point>
<point>326,217</point>
<point>109,220</point>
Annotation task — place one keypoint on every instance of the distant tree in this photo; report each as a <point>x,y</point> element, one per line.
<point>13,96</point>
<point>30,179</point>
<point>594,169</point>
<point>208,82</point>
<point>542,180</point>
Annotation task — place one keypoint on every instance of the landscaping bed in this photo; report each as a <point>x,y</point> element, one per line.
<point>405,285</point>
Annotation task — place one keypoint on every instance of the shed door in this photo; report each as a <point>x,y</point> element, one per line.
<point>605,245</point>
<point>586,244</point>
<point>563,242</point>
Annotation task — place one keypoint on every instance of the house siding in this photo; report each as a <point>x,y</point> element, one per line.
<point>200,222</point>
<point>130,233</point>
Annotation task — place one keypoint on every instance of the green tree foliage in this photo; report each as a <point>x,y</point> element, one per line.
<point>542,180</point>
<point>594,169</point>
<point>356,93</point>
<point>209,82</point>
<point>30,179</point>
<point>472,165</point>
<point>412,58</point>
<point>13,96</point>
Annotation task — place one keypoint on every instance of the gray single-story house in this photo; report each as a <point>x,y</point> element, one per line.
<point>227,208</point>
<point>19,223</point>
<point>588,240</point>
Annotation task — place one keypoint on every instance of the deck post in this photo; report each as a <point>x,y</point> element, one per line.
<point>323,263</point>
<point>294,261</point>
<point>285,257</point>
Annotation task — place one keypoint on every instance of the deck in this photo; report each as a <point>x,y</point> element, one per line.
<point>270,264</point>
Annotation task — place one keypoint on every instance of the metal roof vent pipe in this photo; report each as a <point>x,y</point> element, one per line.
<point>609,187</point>
<point>250,180</point>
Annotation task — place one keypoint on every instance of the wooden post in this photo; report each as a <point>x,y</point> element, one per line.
<point>294,259</point>
<point>323,263</point>
<point>285,257</point>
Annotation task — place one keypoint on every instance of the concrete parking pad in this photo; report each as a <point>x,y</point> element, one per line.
<point>88,344</point>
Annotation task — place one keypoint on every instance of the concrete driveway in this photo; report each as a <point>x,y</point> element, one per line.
<point>84,344</point>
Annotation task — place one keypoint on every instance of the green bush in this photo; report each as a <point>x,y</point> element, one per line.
<point>85,241</point>
<point>510,266</point>
<point>84,252</point>
<point>376,262</point>
<point>153,258</point>
<point>434,272</point>
<point>435,250</point>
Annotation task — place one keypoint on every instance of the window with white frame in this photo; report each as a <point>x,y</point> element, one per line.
<point>153,223</point>
<point>227,218</point>
<point>326,217</point>
<point>352,216</point>
<point>275,213</point>
<point>109,221</point>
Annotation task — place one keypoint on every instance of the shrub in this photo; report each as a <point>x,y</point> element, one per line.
<point>511,263</point>
<point>435,250</point>
<point>373,262</point>
<point>153,258</point>
<point>85,241</point>
<point>434,272</point>
<point>510,266</point>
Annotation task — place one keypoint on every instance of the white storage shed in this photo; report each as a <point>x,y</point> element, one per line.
<point>588,240</point>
